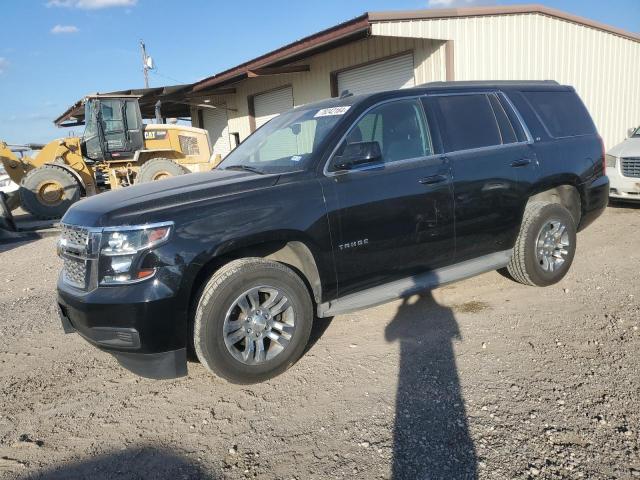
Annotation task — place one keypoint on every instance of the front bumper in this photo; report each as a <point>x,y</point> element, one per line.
<point>142,325</point>
<point>623,188</point>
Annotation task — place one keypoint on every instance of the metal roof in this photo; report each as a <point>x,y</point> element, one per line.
<point>147,100</point>
<point>351,30</point>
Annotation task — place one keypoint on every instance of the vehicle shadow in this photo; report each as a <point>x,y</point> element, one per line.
<point>431,438</point>
<point>141,462</point>
<point>621,204</point>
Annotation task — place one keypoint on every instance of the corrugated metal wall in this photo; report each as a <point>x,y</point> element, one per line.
<point>603,67</point>
<point>315,85</point>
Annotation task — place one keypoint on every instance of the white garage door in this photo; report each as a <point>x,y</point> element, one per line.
<point>215,122</point>
<point>389,74</point>
<point>271,104</point>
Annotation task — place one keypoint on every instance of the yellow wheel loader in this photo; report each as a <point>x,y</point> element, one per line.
<point>116,150</point>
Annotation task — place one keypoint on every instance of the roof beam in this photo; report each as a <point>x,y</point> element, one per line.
<point>261,72</point>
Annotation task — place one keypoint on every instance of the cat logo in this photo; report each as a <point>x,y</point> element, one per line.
<point>155,134</point>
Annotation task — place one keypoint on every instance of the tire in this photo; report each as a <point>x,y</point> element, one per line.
<point>530,263</point>
<point>220,302</point>
<point>159,169</point>
<point>48,191</point>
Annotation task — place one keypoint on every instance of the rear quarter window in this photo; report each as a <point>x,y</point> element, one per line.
<point>562,113</point>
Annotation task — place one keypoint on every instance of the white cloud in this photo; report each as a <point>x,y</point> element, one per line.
<point>91,4</point>
<point>451,3</point>
<point>4,64</point>
<point>61,29</point>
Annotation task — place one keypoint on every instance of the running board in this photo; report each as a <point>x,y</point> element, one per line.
<point>411,285</point>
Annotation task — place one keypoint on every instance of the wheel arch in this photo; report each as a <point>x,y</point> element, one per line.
<point>564,194</point>
<point>293,252</point>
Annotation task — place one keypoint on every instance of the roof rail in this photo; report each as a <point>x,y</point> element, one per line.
<point>487,83</point>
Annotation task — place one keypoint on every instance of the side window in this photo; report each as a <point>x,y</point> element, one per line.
<point>112,121</point>
<point>467,121</point>
<point>562,113</point>
<point>398,127</point>
<point>507,132</point>
<point>132,115</point>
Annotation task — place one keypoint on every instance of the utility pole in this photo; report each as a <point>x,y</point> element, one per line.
<point>146,64</point>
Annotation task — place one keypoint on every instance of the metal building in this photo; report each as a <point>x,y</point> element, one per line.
<point>386,50</point>
<point>400,49</point>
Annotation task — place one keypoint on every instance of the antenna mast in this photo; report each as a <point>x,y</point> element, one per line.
<point>145,64</point>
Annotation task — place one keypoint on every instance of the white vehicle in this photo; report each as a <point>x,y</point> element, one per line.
<point>623,168</point>
<point>6,185</point>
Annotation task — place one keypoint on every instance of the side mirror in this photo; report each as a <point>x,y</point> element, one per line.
<point>359,153</point>
<point>630,132</point>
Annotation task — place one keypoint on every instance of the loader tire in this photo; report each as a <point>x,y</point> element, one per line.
<point>159,169</point>
<point>48,191</point>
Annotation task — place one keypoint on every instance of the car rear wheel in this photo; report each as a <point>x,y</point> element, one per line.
<point>545,247</point>
<point>252,321</point>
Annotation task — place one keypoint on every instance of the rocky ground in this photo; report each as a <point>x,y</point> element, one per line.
<point>485,378</point>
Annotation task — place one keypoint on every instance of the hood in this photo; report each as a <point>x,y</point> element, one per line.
<point>162,200</point>
<point>629,148</point>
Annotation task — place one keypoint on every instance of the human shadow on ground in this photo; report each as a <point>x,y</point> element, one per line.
<point>431,438</point>
<point>136,463</point>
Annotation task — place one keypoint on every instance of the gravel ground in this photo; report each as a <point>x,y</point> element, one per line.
<point>482,379</point>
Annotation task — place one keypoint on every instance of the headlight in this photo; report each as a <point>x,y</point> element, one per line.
<point>611,161</point>
<point>122,249</point>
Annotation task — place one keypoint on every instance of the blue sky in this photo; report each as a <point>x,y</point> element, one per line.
<point>52,52</point>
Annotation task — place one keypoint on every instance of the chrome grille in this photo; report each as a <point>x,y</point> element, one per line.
<point>75,238</point>
<point>631,167</point>
<point>75,249</point>
<point>75,271</point>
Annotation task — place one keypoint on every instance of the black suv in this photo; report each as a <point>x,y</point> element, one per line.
<point>330,208</point>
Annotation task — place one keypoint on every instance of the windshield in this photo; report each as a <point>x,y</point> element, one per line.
<point>286,143</point>
<point>636,133</point>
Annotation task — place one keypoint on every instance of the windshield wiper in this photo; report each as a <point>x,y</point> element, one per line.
<point>245,168</point>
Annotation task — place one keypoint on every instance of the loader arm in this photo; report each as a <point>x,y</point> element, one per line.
<point>64,152</point>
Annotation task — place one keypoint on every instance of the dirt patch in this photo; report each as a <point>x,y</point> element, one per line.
<point>473,306</point>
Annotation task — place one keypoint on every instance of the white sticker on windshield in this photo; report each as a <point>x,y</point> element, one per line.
<point>327,112</point>
<point>296,158</point>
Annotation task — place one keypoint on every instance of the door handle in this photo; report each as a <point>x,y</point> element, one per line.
<point>523,162</point>
<point>433,179</point>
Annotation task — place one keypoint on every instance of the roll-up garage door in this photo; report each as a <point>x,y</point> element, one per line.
<point>216,123</point>
<point>390,74</point>
<point>271,104</point>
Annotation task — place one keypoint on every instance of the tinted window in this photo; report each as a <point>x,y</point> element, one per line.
<point>467,121</point>
<point>507,132</point>
<point>132,115</point>
<point>562,113</point>
<point>398,127</point>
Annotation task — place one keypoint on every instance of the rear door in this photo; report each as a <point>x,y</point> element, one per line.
<point>492,164</point>
<point>395,218</point>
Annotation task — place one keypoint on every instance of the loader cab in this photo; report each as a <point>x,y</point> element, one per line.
<point>113,128</point>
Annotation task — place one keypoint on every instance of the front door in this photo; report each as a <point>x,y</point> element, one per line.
<point>392,218</point>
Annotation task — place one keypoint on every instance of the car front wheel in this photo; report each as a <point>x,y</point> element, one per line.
<point>253,320</point>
